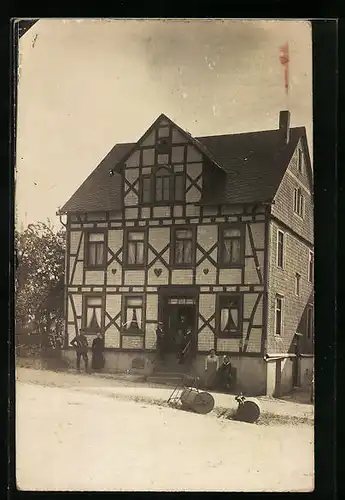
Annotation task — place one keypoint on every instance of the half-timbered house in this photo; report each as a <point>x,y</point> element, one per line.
<point>216,231</point>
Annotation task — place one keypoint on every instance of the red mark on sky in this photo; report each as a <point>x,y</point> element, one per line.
<point>284,59</point>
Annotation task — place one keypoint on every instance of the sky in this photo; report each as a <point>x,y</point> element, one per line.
<point>85,85</point>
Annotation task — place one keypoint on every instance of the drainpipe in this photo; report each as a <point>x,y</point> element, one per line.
<point>60,215</point>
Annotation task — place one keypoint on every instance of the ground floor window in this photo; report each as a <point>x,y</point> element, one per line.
<point>133,315</point>
<point>278,329</point>
<point>92,313</point>
<point>229,314</point>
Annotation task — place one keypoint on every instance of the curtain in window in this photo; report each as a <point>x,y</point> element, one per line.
<point>100,252</point>
<point>235,251</point>
<point>231,245</point>
<point>93,318</point>
<point>187,251</point>
<point>140,252</point>
<point>233,317</point>
<point>134,314</point>
<point>92,254</point>
<point>135,248</point>
<point>179,253</point>
<point>131,253</point>
<point>224,317</point>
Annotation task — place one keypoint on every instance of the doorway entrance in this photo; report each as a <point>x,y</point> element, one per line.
<point>178,316</point>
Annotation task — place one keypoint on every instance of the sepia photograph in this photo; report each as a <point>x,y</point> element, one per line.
<point>164,247</point>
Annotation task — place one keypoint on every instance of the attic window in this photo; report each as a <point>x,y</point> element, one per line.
<point>163,145</point>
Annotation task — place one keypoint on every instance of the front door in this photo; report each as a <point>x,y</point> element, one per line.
<point>179,315</point>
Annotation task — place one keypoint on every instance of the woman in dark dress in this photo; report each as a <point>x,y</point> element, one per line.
<point>224,375</point>
<point>97,353</point>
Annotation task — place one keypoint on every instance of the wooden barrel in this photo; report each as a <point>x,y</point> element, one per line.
<point>249,411</point>
<point>199,402</point>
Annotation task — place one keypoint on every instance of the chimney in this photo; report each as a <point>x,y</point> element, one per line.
<point>284,126</point>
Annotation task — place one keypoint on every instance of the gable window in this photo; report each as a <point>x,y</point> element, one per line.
<point>311,267</point>
<point>278,324</point>
<point>297,284</point>
<point>163,145</point>
<point>280,249</point>
<point>230,251</point>
<point>229,315</point>
<point>146,189</point>
<point>95,249</point>
<point>133,315</point>
<point>300,161</point>
<point>183,246</point>
<point>298,202</point>
<point>92,313</point>
<point>310,322</point>
<point>135,248</point>
<point>162,187</point>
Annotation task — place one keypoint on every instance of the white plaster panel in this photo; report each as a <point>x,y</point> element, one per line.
<point>133,160</point>
<point>94,277</point>
<point>182,277</point>
<point>112,337</point>
<point>230,276</point>
<point>132,342</point>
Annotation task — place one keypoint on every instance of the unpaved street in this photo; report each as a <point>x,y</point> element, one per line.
<point>75,440</point>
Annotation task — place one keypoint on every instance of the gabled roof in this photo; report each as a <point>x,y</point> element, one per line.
<point>255,163</point>
<point>192,140</point>
<point>251,168</point>
<point>100,191</point>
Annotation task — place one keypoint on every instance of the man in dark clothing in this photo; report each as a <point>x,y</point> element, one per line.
<point>160,341</point>
<point>81,345</point>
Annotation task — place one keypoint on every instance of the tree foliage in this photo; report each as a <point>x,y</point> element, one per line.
<point>40,252</point>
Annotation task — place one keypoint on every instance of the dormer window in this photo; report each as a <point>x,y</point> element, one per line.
<point>162,187</point>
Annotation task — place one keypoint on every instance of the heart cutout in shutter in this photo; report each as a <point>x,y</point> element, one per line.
<point>113,271</point>
<point>158,272</point>
<point>205,271</point>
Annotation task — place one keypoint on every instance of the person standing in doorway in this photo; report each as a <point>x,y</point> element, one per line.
<point>97,362</point>
<point>160,341</point>
<point>179,337</point>
<point>81,345</point>
<point>186,346</point>
<point>211,368</point>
